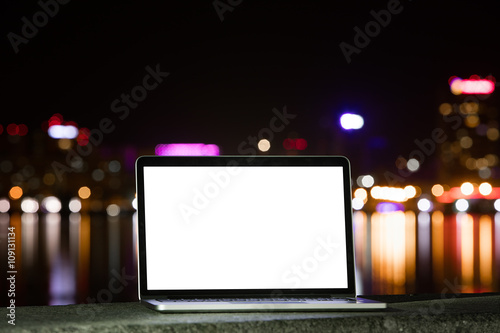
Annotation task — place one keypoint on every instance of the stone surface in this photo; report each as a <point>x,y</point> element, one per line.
<point>432,313</point>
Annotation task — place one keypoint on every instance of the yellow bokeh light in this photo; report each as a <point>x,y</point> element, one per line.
<point>437,190</point>
<point>15,192</point>
<point>492,159</point>
<point>492,134</point>
<point>472,121</point>
<point>481,163</point>
<point>361,194</point>
<point>467,188</point>
<point>49,179</point>
<point>466,142</point>
<point>469,108</point>
<point>485,189</point>
<point>445,109</point>
<point>264,145</point>
<point>470,163</point>
<point>64,144</point>
<point>84,192</point>
<point>410,191</point>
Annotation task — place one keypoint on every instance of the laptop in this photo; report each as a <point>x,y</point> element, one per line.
<point>246,233</point>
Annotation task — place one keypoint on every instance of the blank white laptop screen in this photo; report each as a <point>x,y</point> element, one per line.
<point>266,227</point>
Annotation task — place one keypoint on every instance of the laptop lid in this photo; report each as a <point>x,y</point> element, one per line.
<point>226,226</point>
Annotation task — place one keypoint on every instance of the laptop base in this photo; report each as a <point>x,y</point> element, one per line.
<point>359,304</point>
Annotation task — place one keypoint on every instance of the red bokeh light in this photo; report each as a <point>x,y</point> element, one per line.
<point>1,129</point>
<point>56,119</point>
<point>294,144</point>
<point>300,144</point>
<point>288,144</point>
<point>83,137</point>
<point>22,130</point>
<point>13,129</point>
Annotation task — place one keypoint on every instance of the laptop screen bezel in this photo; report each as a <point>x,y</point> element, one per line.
<point>246,161</point>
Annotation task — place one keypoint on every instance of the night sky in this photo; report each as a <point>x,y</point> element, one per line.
<point>226,76</point>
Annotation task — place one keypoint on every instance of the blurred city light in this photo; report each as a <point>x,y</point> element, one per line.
<point>83,137</point>
<point>51,204</point>
<point>63,132</point>
<point>64,144</point>
<point>389,207</point>
<point>361,194</point>
<point>75,205</point>
<point>473,85</point>
<point>357,203</point>
<point>365,181</point>
<point>294,144</point>
<point>413,164</point>
<point>114,166</point>
<point>29,205</point>
<point>15,192</point>
<point>134,203</point>
<point>462,205</point>
<point>113,210</point>
<point>437,190</point>
<point>424,205</point>
<point>467,188</point>
<point>4,205</point>
<point>186,149</point>
<point>485,189</point>
<point>264,145</point>
<point>350,121</point>
<point>84,192</point>
<point>410,191</point>
<point>393,193</point>
<point>14,129</point>
<point>497,205</point>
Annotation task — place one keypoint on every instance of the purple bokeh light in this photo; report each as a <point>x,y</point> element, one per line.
<point>186,149</point>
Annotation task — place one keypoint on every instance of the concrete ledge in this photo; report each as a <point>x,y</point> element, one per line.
<point>435,313</point>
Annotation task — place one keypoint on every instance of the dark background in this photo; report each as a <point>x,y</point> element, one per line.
<point>227,76</point>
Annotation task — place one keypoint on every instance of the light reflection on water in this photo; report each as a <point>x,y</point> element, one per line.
<point>402,253</point>
<point>72,258</point>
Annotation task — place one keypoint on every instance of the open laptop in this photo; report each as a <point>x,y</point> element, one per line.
<point>246,233</point>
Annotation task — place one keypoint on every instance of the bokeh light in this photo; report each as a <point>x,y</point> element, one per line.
<point>366,181</point>
<point>357,203</point>
<point>264,145</point>
<point>15,192</point>
<point>4,205</point>
<point>350,121</point>
<point>84,192</point>
<point>485,188</point>
<point>361,194</point>
<point>75,205</point>
<point>413,165</point>
<point>467,188</point>
<point>29,205</point>
<point>462,205</point>
<point>424,205</point>
<point>51,204</point>
<point>113,210</point>
<point>437,190</point>
<point>496,204</point>
<point>186,149</point>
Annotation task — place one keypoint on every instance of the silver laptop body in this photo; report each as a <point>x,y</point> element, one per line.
<point>246,233</point>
